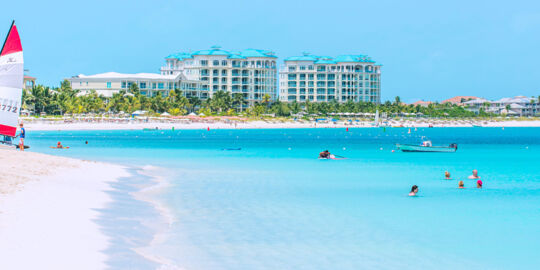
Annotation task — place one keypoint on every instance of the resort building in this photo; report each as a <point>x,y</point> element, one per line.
<point>322,79</point>
<point>459,100</point>
<point>29,82</point>
<point>422,103</point>
<point>251,72</point>
<point>149,84</point>
<point>516,106</point>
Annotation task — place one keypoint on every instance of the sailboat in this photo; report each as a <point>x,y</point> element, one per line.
<point>11,83</point>
<point>376,122</point>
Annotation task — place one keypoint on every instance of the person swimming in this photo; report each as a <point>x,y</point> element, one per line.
<point>479,184</point>
<point>414,190</point>
<point>461,184</point>
<point>60,146</point>
<point>325,154</point>
<point>447,175</point>
<point>474,175</point>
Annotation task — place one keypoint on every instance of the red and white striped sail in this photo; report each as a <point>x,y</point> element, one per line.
<point>11,82</point>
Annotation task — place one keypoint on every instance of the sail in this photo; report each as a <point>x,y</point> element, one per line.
<point>11,82</point>
<point>376,118</point>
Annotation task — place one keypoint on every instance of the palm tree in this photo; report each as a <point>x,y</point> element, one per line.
<point>194,102</point>
<point>266,99</point>
<point>239,100</point>
<point>221,101</point>
<point>397,100</point>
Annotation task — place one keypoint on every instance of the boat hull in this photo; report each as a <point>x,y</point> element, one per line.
<point>429,149</point>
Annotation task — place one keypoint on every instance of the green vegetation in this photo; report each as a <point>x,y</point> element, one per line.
<point>62,100</point>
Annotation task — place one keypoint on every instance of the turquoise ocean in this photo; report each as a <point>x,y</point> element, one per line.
<point>274,205</point>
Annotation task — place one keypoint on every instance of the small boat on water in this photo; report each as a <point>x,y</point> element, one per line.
<point>426,146</point>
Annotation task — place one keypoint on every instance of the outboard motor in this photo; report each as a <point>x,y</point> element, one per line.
<point>453,145</point>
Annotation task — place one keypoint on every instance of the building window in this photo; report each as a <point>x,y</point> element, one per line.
<point>292,76</point>
<point>224,72</point>
<point>302,67</point>
<point>215,63</point>
<point>310,67</point>
<point>142,85</point>
<point>321,68</point>
<point>224,63</point>
<point>108,84</point>
<point>310,77</point>
<point>153,85</point>
<point>292,68</point>
<point>204,62</point>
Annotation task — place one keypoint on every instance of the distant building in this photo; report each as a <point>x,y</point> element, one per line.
<point>458,100</point>
<point>250,72</point>
<point>422,103</point>
<point>149,84</point>
<point>517,106</point>
<point>29,82</point>
<point>322,79</point>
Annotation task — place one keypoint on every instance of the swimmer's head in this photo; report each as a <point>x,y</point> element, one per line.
<point>414,188</point>
<point>461,184</point>
<point>474,172</point>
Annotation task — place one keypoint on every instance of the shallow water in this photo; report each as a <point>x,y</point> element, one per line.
<point>274,205</point>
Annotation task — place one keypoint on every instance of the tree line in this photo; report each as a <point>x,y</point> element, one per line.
<point>65,100</point>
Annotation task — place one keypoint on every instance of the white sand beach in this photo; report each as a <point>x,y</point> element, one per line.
<point>202,123</point>
<point>48,209</point>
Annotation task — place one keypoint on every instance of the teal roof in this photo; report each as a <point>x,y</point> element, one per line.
<point>359,58</point>
<point>352,58</point>
<point>215,50</point>
<point>179,56</point>
<point>302,58</point>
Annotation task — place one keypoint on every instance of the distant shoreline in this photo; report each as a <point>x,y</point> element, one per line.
<point>185,124</point>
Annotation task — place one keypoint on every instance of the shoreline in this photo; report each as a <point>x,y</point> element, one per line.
<point>147,194</point>
<point>48,211</point>
<point>138,125</point>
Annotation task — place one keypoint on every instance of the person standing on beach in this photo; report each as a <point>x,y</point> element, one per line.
<point>21,136</point>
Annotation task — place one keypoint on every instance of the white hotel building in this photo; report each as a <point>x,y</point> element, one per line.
<point>251,72</point>
<point>322,79</point>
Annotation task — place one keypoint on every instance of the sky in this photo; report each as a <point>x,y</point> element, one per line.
<point>430,50</point>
